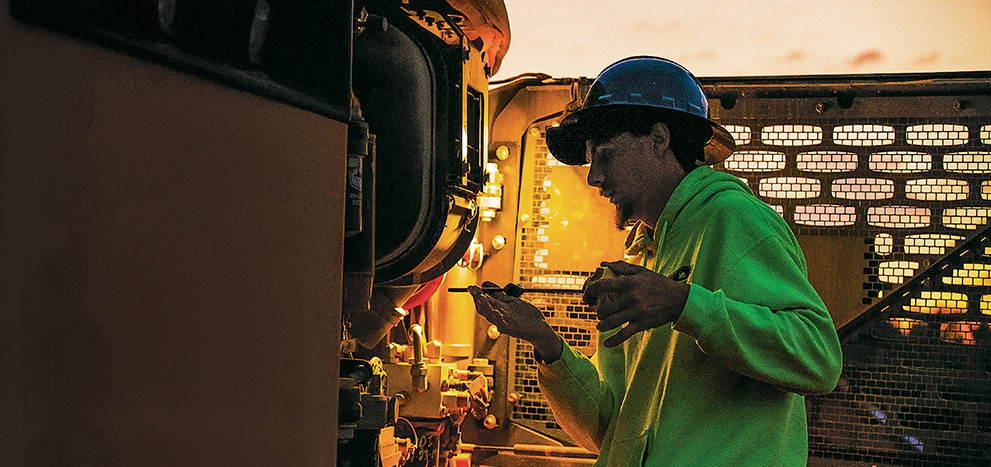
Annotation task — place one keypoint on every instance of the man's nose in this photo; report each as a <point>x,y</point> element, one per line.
<point>594,177</point>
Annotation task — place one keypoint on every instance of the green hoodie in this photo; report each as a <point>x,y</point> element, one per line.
<point>723,384</point>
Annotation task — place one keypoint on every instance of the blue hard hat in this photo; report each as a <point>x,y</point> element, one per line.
<point>638,82</point>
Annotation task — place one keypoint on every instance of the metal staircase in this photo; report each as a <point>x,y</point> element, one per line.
<point>916,383</point>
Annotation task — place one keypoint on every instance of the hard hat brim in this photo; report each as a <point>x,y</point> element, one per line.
<point>566,142</point>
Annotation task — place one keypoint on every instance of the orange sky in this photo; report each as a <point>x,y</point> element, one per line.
<point>569,38</point>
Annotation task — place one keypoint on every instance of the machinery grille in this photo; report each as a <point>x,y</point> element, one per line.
<point>565,312</point>
<point>912,188</point>
<point>916,382</point>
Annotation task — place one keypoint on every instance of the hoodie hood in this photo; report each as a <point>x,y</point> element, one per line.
<point>697,186</point>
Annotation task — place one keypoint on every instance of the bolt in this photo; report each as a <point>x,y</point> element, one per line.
<point>502,152</point>
<point>498,242</point>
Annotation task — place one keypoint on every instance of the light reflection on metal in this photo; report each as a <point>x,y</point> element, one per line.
<point>502,153</point>
<point>490,200</point>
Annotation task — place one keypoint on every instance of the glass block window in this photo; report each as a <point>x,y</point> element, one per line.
<point>965,218</point>
<point>938,134</point>
<point>970,275</point>
<point>864,135</point>
<point>900,162</point>
<point>904,325</point>
<point>986,134</point>
<point>937,189</point>
<point>791,135</point>
<point>961,332</point>
<point>790,187</point>
<point>755,161</point>
<point>826,161</point>
<point>884,243</point>
<point>931,244</point>
<point>741,134</point>
<point>863,188</point>
<point>968,162</point>
<point>899,217</point>
<point>557,281</point>
<point>895,272</point>
<point>825,215</point>
<point>940,303</point>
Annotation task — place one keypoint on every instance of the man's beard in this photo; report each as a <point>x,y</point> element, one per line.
<point>624,212</point>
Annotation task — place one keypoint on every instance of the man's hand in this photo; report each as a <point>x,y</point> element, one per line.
<point>635,296</point>
<point>518,318</point>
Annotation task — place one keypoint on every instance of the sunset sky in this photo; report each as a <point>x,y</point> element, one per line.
<point>571,38</point>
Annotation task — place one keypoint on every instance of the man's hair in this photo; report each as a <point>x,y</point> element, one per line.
<point>688,133</point>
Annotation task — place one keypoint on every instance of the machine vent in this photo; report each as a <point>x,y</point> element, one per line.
<point>916,382</point>
<point>915,180</point>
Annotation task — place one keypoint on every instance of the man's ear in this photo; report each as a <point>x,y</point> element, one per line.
<point>662,136</point>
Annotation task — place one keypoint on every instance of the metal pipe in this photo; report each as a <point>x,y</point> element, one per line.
<point>418,369</point>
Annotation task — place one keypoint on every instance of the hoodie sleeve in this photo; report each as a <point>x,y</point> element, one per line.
<point>579,396</point>
<point>758,314</point>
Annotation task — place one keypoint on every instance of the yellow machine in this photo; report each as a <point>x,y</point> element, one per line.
<point>229,230</point>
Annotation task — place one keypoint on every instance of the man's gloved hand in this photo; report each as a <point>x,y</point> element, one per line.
<point>517,318</point>
<point>634,296</point>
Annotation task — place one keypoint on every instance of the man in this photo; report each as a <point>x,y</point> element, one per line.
<point>710,332</point>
